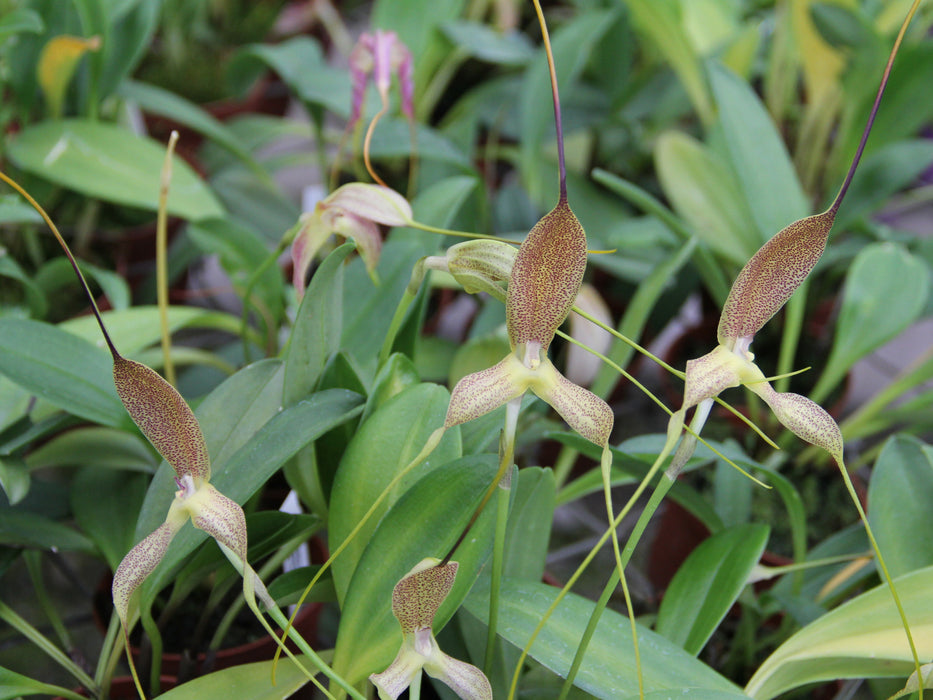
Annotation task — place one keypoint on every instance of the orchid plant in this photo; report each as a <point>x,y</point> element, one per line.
<point>411,472</point>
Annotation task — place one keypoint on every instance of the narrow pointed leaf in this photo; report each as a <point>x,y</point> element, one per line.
<point>546,277</point>
<point>163,416</point>
<point>316,333</point>
<point>882,277</point>
<point>707,585</point>
<point>69,372</point>
<point>251,681</point>
<point>899,496</point>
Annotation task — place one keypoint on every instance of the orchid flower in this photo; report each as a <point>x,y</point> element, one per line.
<point>545,278</point>
<point>352,211</point>
<point>168,422</point>
<point>381,54</point>
<point>416,599</point>
<point>763,286</point>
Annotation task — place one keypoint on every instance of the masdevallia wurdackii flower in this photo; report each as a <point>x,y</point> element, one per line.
<point>416,599</point>
<point>167,421</point>
<point>353,211</point>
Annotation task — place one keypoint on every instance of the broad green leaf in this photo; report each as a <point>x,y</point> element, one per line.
<point>530,521</point>
<point>14,479</point>
<point>704,191</point>
<point>246,470</point>
<point>68,372</point>
<point>608,670</point>
<point>19,20</point>
<point>253,681</point>
<point>110,163</point>
<point>425,522</point>
<point>57,274</point>
<point>300,63</point>
<point>863,638</point>
<point>14,685</point>
<point>415,20</point>
<point>899,496</point>
<point>384,445</point>
<point>134,22</point>
<point>707,585</point>
<point>136,328</point>
<point>758,157</point>
<point>108,521</point>
<point>694,694</point>
<point>316,333</point>
<point>571,44</point>
<point>661,22</point>
<point>392,139</point>
<point>510,48</point>
<point>162,102</point>
<point>20,528</point>
<point>884,277</point>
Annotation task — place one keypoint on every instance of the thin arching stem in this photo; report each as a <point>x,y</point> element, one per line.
<point>558,124</point>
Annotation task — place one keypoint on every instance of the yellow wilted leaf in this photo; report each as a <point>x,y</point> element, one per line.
<point>57,65</point>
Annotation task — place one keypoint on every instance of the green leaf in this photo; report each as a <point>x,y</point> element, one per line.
<point>19,20</point>
<point>138,327</point>
<point>394,377</point>
<point>415,20</point>
<point>425,522</point>
<point>863,638</point>
<point>708,583</point>
<point>704,191</point>
<point>108,162</point>
<point>14,479</point>
<point>384,445</point>
<point>661,22</point>
<point>14,685</point>
<point>899,496</point>
<point>510,48</point>
<point>753,146</point>
<point>162,102</point>
<point>530,521</point>
<point>19,528</point>
<point>608,670</point>
<point>109,522</point>
<point>32,293</point>
<point>883,277</point>
<point>245,471</point>
<point>253,681</point>
<point>316,333</point>
<point>300,63</point>
<point>68,372</point>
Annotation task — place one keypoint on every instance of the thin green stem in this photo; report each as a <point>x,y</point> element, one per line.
<point>162,260</point>
<point>502,484</point>
<point>669,444</point>
<point>660,491</point>
<point>884,571</point>
<point>33,560</point>
<point>45,645</point>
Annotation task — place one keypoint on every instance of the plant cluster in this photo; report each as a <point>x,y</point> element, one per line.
<point>379,357</point>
